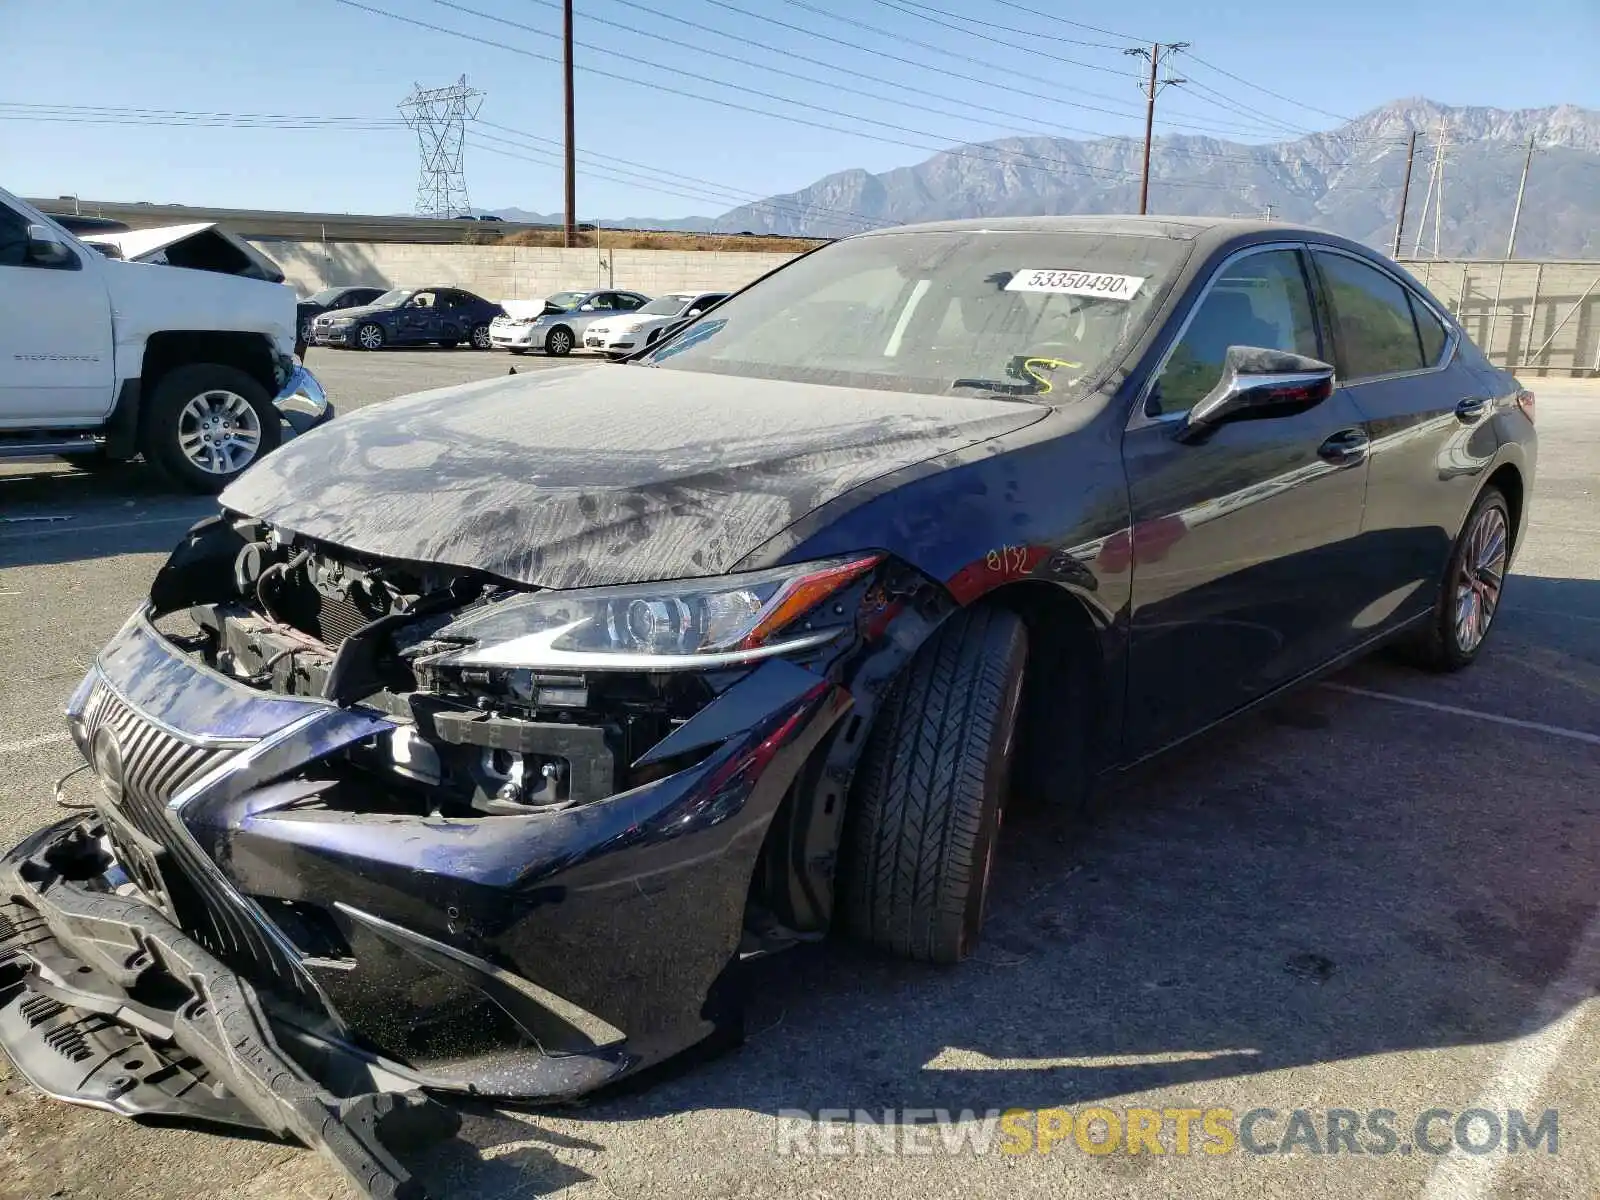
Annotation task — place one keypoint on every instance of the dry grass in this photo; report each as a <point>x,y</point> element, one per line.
<point>627,239</point>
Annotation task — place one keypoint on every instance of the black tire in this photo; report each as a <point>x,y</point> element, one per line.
<point>480,338</point>
<point>929,795</point>
<point>370,337</point>
<point>1439,646</point>
<point>558,342</point>
<point>160,431</point>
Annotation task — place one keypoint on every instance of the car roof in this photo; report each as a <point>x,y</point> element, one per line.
<point>1179,228</point>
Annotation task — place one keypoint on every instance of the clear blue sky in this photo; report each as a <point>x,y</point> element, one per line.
<point>321,58</point>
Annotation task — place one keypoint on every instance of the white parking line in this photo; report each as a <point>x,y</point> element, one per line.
<point>1522,1072</point>
<point>74,530</point>
<point>44,739</point>
<point>1576,735</point>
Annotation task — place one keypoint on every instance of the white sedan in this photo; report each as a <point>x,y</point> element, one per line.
<point>557,323</point>
<point>621,335</point>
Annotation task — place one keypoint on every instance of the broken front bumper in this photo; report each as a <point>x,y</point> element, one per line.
<point>214,943</point>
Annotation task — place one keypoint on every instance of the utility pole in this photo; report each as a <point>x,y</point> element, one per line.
<point>1427,199</point>
<point>1438,200</point>
<point>571,238</point>
<point>1516,213</point>
<point>1405,192</point>
<point>1157,51</point>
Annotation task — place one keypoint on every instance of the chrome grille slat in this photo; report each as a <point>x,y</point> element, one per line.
<point>157,765</point>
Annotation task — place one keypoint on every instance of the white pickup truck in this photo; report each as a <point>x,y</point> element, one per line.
<point>103,359</point>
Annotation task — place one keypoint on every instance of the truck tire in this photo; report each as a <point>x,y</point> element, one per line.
<point>206,423</point>
<point>926,807</point>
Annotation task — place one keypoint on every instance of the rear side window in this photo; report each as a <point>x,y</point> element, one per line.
<point>1430,329</point>
<point>1259,300</point>
<point>13,238</point>
<point>1372,315</point>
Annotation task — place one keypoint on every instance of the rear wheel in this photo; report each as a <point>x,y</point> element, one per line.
<point>206,424</point>
<point>929,797</point>
<point>371,337</point>
<point>480,337</point>
<point>1470,595</point>
<point>558,342</point>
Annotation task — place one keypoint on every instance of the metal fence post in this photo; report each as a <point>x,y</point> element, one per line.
<point>1533,317</point>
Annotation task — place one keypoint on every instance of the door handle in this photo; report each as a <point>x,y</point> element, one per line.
<point>1471,410</point>
<point>1345,448</point>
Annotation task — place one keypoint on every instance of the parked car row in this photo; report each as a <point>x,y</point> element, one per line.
<point>615,323</point>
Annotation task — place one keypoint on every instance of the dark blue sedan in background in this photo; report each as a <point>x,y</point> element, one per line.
<point>443,316</point>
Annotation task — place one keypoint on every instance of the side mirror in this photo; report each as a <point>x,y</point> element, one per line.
<point>1257,383</point>
<point>693,312</point>
<point>46,249</point>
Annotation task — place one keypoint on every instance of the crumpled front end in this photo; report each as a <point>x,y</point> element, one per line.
<point>314,893</point>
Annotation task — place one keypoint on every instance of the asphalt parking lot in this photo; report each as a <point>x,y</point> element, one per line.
<point>1378,894</point>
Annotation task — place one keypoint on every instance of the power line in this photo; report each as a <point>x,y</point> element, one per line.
<point>987,23</point>
<point>1268,91</point>
<point>709,190</point>
<point>796,213</point>
<point>900,37</point>
<point>1060,20</point>
<point>942,145</point>
<point>990,82</point>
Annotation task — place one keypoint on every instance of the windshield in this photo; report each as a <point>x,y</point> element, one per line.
<point>665,306</point>
<point>982,312</point>
<point>561,301</point>
<point>393,299</point>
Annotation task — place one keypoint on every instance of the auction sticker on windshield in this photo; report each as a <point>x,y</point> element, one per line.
<point>1076,283</point>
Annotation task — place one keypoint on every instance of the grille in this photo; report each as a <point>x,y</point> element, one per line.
<point>157,765</point>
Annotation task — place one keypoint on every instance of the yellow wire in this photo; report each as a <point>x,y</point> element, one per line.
<point>1052,363</point>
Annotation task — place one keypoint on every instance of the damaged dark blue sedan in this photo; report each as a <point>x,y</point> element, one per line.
<point>483,735</point>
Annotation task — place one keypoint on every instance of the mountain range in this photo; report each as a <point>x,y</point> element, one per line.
<point>1347,180</point>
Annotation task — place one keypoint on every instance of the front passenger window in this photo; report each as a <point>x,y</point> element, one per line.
<point>1259,300</point>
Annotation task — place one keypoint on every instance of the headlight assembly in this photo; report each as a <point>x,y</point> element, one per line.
<point>682,625</point>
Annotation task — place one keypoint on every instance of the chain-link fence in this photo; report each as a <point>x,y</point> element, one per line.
<point>1542,318</point>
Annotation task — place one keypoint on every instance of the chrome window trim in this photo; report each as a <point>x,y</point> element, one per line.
<point>1452,332</point>
<point>1140,418</point>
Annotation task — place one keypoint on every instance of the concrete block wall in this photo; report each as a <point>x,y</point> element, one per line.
<point>513,272</point>
<point>1546,321</point>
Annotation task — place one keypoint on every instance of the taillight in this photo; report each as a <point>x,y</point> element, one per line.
<point>1525,403</point>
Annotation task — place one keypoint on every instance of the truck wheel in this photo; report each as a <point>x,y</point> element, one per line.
<point>206,423</point>
<point>926,807</point>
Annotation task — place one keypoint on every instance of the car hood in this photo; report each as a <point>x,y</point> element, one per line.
<point>157,245</point>
<point>579,476</point>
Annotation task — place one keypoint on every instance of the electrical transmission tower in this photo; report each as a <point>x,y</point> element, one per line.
<point>440,116</point>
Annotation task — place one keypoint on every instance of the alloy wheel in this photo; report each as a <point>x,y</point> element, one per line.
<point>370,337</point>
<point>560,342</point>
<point>480,337</point>
<point>219,432</point>
<point>1480,577</point>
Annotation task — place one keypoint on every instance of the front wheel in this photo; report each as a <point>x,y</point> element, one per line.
<point>206,423</point>
<point>925,812</point>
<point>558,342</point>
<point>371,337</point>
<point>1470,595</point>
